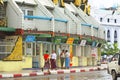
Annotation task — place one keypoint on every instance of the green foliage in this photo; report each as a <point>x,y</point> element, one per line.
<point>110,49</point>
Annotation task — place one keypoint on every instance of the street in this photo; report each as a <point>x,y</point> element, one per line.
<point>92,75</point>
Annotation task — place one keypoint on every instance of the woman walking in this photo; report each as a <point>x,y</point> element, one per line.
<point>47,61</point>
<point>67,59</point>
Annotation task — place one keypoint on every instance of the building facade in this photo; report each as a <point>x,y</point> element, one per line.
<point>29,28</point>
<point>109,20</point>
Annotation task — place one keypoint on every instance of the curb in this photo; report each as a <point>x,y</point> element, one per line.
<point>40,73</point>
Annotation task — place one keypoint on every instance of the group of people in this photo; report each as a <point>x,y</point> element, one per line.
<point>65,58</point>
<point>50,60</point>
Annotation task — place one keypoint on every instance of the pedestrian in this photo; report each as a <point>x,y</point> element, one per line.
<point>53,60</point>
<point>67,59</point>
<point>47,60</point>
<point>62,58</point>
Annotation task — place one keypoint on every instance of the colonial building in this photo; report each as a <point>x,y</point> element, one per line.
<point>109,20</point>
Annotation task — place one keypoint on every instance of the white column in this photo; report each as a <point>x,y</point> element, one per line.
<point>78,50</point>
<point>41,56</point>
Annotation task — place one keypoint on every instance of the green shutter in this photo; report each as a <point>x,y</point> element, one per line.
<point>44,35</point>
<point>7,29</point>
<point>60,39</point>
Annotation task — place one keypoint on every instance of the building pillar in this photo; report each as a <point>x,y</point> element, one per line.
<point>58,56</point>
<point>41,55</point>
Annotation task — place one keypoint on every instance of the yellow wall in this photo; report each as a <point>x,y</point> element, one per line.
<point>89,61</point>
<point>10,66</point>
<point>99,53</point>
<point>84,61</point>
<point>27,62</point>
<point>74,61</point>
<point>16,65</point>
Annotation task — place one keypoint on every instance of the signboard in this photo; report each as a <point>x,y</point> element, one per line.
<point>57,41</point>
<point>94,52</point>
<point>30,38</point>
<point>97,44</point>
<point>83,42</point>
<point>70,41</point>
<point>93,55</point>
<point>94,44</point>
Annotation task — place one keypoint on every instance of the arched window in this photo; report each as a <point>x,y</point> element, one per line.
<point>108,20</point>
<point>115,21</point>
<point>108,35</point>
<point>101,19</point>
<point>115,36</point>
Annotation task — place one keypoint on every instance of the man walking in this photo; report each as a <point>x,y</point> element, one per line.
<point>62,58</point>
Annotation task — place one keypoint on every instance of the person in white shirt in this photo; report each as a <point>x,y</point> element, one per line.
<point>53,60</point>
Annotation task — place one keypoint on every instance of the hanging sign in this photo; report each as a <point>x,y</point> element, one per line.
<point>70,41</point>
<point>30,38</point>
<point>83,42</point>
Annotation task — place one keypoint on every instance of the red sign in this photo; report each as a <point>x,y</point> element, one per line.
<point>93,55</point>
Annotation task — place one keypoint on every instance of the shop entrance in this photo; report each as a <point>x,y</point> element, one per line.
<point>32,49</point>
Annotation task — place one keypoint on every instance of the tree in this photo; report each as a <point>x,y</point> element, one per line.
<point>110,49</point>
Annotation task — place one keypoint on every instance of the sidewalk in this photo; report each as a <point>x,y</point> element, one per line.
<point>38,72</point>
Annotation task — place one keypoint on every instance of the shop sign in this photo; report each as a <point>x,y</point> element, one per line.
<point>57,41</point>
<point>94,44</point>
<point>30,38</point>
<point>97,44</point>
<point>70,41</point>
<point>93,55</point>
<point>83,43</point>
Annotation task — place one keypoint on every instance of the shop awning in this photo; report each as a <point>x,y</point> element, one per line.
<point>7,29</point>
<point>44,35</point>
<point>60,39</point>
<point>76,40</point>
